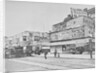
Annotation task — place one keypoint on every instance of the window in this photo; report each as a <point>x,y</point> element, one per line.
<point>36,38</point>
<point>63,48</point>
<point>24,38</point>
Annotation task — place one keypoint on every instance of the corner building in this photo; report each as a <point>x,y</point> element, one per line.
<point>72,34</point>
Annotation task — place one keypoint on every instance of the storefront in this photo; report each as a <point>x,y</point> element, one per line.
<point>64,46</point>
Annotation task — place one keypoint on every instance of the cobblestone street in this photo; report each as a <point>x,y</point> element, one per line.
<point>39,63</point>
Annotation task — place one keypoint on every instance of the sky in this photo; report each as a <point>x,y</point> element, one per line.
<point>35,16</point>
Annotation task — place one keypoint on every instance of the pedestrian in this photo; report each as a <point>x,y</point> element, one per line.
<point>24,50</point>
<point>55,53</point>
<point>91,54</point>
<point>58,55</point>
<point>90,48</point>
<point>45,54</point>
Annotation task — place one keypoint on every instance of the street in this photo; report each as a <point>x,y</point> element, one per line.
<point>39,63</point>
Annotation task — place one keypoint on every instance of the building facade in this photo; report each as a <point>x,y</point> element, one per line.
<point>75,32</point>
<point>28,38</point>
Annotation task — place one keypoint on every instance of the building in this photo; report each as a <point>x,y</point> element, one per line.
<point>28,37</point>
<point>7,42</point>
<point>91,13</point>
<point>74,32</point>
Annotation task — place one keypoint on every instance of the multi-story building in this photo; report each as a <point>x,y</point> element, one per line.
<point>7,42</point>
<point>74,32</point>
<point>28,37</point>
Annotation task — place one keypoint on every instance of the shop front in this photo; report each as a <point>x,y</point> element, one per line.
<point>73,46</point>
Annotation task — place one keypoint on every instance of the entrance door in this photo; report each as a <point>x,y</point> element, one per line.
<point>63,48</point>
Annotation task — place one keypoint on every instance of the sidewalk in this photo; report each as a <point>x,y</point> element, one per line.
<point>74,56</point>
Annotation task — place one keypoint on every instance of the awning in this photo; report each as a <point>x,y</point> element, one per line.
<point>78,41</point>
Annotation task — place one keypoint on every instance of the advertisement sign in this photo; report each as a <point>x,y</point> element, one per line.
<point>78,12</point>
